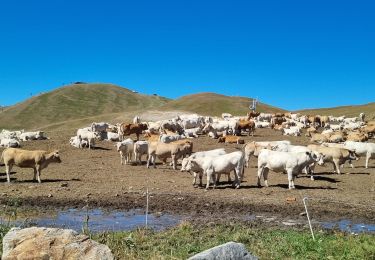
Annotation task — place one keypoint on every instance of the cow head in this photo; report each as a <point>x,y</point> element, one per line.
<point>353,155</point>
<point>55,156</point>
<point>317,157</point>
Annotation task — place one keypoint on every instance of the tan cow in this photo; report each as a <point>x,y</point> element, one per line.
<point>37,160</point>
<point>337,156</point>
<point>324,120</point>
<point>319,138</point>
<point>310,130</point>
<point>231,139</point>
<point>174,150</point>
<point>357,137</point>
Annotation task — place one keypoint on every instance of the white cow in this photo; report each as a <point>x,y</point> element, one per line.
<point>170,138</point>
<point>38,135</point>
<point>140,148</point>
<point>291,163</point>
<point>88,136</point>
<point>192,132</point>
<point>362,149</point>
<point>265,117</point>
<point>216,165</point>
<point>9,142</point>
<point>259,124</point>
<point>292,131</point>
<point>202,154</point>
<point>115,137</point>
<point>126,149</point>
<point>77,142</point>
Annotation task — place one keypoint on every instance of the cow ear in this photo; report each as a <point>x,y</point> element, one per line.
<point>308,153</point>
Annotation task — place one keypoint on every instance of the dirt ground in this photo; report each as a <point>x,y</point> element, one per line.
<point>96,177</point>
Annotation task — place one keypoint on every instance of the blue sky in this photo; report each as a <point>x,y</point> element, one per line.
<point>291,54</point>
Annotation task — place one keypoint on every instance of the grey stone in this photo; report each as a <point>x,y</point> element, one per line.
<point>227,251</point>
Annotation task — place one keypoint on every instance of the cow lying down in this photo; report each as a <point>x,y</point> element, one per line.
<point>37,160</point>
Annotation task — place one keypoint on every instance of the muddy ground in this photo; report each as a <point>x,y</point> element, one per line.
<point>97,179</point>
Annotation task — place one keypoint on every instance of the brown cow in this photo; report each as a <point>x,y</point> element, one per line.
<point>37,160</point>
<point>277,120</point>
<point>252,114</point>
<point>245,125</point>
<point>231,139</point>
<point>128,129</point>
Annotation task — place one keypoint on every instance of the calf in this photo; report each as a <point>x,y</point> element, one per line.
<point>140,148</point>
<point>126,149</point>
<point>38,160</point>
<point>88,136</point>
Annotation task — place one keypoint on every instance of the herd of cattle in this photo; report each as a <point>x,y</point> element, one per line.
<point>340,139</point>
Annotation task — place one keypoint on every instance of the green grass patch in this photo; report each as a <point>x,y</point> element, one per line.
<point>186,240</point>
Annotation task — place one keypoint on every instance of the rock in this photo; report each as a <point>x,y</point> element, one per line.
<point>50,195</point>
<point>230,250</point>
<point>64,184</point>
<point>51,243</point>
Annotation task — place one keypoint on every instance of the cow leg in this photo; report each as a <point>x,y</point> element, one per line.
<point>200,179</point>
<point>8,168</point>
<point>208,180</point>
<point>290,180</point>
<point>149,159</point>
<point>337,164</point>
<point>260,170</point>
<point>34,179</point>
<point>174,162</point>
<point>38,170</point>
<point>368,155</point>
<point>265,176</point>
<point>195,178</point>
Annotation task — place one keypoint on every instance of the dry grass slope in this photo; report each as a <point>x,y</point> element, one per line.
<point>75,103</point>
<point>215,104</point>
<point>349,111</point>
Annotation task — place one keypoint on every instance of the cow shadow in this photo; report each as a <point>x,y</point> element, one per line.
<point>4,180</point>
<point>342,173</point>
<point>321,178</point>
<point>48,180</point>
<point>4,173</point>
<point>101,148</point>
<point>300,187</point>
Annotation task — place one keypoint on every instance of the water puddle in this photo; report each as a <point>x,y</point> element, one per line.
<point>348,226</point>
<point>100,220</point>
<point>103,220</point>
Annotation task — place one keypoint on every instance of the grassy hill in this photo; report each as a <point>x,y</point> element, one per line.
<point>215,104</point>
<point>76,102</point>
<point>349,111</point>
